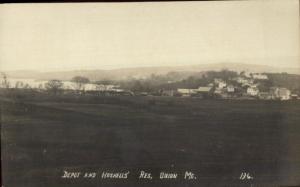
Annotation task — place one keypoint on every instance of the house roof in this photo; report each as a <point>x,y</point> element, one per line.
<point>252,88</point>
<point>183,90</point>
<point>204,89</point>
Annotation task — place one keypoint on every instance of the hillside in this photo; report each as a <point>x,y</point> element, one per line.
<point>143,72</point>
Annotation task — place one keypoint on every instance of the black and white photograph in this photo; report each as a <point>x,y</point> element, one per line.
<point>150,94</point>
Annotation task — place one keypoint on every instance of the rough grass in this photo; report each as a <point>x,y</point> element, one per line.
<point>216,139</point>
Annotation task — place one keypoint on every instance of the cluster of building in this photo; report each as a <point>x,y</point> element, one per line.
<point>97,90</point>
<point>244,87</point>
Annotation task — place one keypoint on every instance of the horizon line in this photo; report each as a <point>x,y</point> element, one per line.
<point>137,67</point>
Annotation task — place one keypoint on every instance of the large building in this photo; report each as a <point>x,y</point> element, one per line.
<point>184,92</point>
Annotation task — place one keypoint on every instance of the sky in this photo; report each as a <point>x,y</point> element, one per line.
<point>69,36</point>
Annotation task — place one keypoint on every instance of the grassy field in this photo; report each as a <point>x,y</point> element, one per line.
<point>216,139</point>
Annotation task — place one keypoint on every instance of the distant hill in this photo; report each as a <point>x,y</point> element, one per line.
<point>142,72</point>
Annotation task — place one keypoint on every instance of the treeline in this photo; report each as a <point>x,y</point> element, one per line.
<point>289,81</point>
<point>159,82</point>
<point>175,80</point>
<point>203,80</point>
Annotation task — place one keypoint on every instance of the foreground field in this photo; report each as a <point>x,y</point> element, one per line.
<point>215,139</point>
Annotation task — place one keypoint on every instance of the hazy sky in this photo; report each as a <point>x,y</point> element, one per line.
<point>115,35</point>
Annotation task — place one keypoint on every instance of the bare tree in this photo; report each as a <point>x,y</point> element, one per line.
<point>79,82</point>
<point>54,86</point>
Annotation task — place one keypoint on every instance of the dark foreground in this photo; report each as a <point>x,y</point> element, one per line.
<point>217,140</point>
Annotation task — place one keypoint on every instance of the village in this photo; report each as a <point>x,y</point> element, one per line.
<point>243,85</point>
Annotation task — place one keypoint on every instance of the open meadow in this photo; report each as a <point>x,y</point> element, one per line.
<point>217,140</point>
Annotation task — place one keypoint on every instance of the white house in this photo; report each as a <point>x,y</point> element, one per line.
<point>253,91</point>
<point>220,83</point>
<point>241,80</point>
<point>259,76</point>
<point>230,88</point>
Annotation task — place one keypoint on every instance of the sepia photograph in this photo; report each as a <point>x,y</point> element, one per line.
<point>150,94</point>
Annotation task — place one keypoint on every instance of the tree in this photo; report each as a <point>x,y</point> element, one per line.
<point>5,83</point>
<point>105,82</point>
<point>264,85</point>
<point>137,86</point>
<point>19,84</point>
<point>54,86</point>
<point>227,74</point>
<point>79,82</point>
<point>242,73</point>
